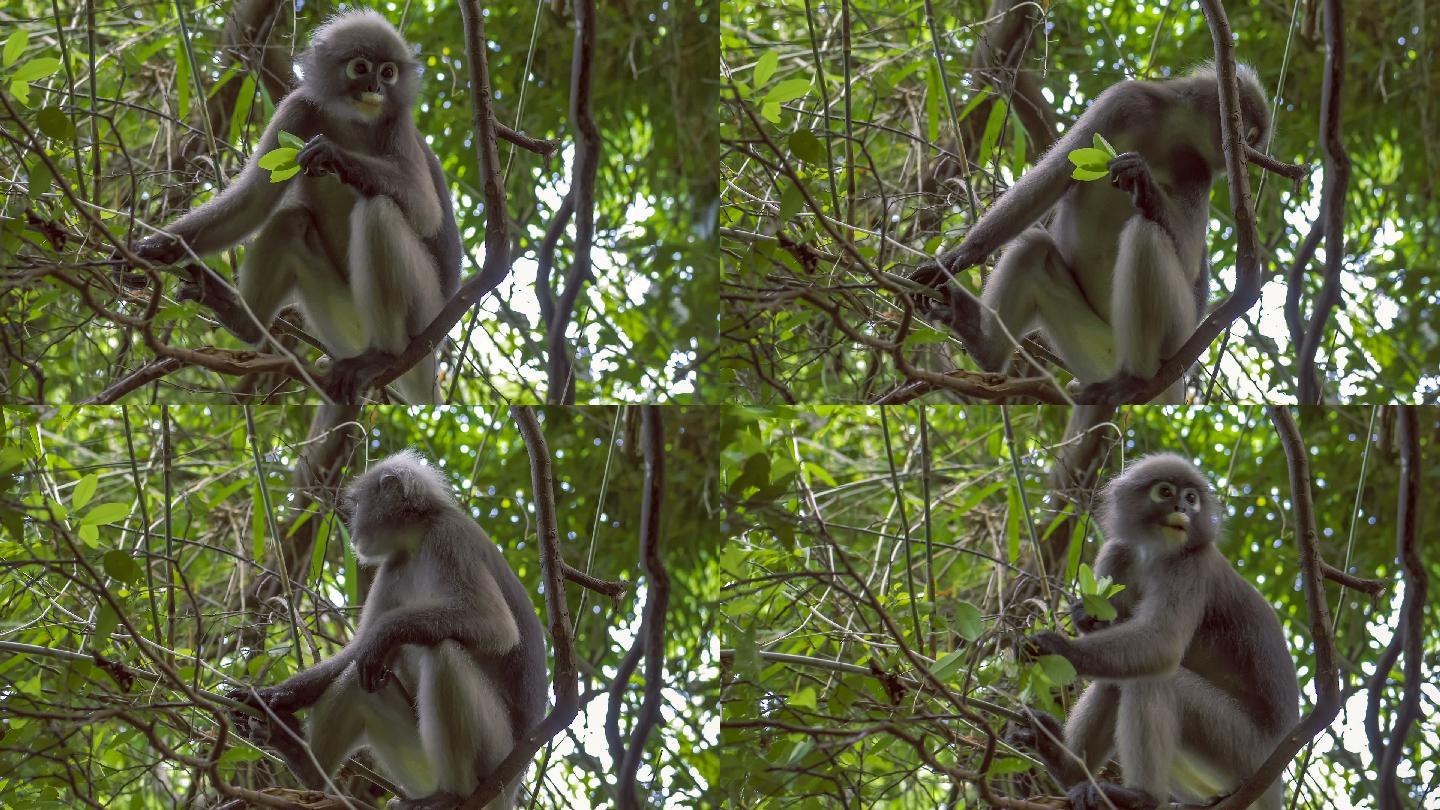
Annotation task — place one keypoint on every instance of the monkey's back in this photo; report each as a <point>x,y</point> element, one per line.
<point>1240,647</point>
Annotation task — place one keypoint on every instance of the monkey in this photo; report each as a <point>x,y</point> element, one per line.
<point>364,238</point>
<point>1117,276</point>
<point>446,671</point>
<point>1192,679</point>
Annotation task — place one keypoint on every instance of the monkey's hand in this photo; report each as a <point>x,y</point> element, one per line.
<point>1082,619</point>
<point>1131,174</point>
<point>321,156</point>
<point>1047,643</point>
<point>373,665</point>
<point>273,701</point>
<point>938,273</point>
<point>351,376</point>
<point>160,248</point>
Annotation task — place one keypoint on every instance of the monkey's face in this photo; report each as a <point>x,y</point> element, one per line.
<point>389,508</point>
<point>1162,505</point>
<point>361,68</point>
<point>1171,509</point>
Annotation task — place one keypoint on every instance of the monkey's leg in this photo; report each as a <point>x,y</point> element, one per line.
<point>1154,302</point>
<point>1218,730</point>
<point>282,250</point>
<point>347,717</point>
<point>464,724</point>
<point>397,294</point>
<point>1033,284</point>
<point>1090,729</point>
<point>1148,733</point>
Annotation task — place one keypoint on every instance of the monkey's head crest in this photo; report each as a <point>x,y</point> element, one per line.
<point>397,493</point>
<point>359,66</point>
<point>1161,504</point>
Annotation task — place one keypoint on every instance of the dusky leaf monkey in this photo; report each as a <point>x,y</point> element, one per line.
<point>447,667</point>
<point>1192,678</point>
<point>364,237</point>
<point>1115,275</point>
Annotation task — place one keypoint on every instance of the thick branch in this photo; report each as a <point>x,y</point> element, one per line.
<point>560,371</point>
<point>1337,181</point>
<point>1412,611</point>
<point>657,600</point>
<point>562,635</point>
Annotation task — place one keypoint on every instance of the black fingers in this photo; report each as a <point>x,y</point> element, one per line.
<point>1092,796</point>
<point>1130,173</point>
<point>351,377</point>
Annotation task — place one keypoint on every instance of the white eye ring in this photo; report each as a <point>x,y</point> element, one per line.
<point>389,74</point>
<point>1161,491</point>
<point>357,67</point>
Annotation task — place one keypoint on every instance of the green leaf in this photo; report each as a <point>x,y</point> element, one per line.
<point>1087,174</point>
<point>1013,515</point>
<point>791,201</point>
<point>766,67</point>
<point>54,123</point>
<point>807,147</point>
<point>291,140</point>
<point>788,90</point>
<point>992,131</point>
<point>105,513</point>
<point>281,175</point>
<point>1090,158</point>
<point>84,491</point>
<point>278,158</point>
<point>105,621</point>
<point>241,115</point>
<point>948,665</point>
<point>36,69</point>
<point>1103,145</point>
<point>968,621</point>
<point>21,91</point>
<point>805,698</point>
<point>15,45</point>
<point>1099,607</point>
<point>1087,579</point>
<point>121,566</point>
<point>1057,669</point>
<point>89,535</point>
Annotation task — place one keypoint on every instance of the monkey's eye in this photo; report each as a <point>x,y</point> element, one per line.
<point>357,67</point>
<point>1192,497</point>
<point>389,73</point>
<point>1161,492</point>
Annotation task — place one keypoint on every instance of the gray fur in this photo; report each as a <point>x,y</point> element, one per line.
<point>455,629</point>
<point>365,237</point>
<point>1115,286</point>
<point>1195,671</point>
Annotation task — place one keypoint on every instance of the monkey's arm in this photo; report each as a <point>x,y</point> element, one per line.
<point>234,213</point>
<point>473,612</point>
<point>399,177</point>
<point>1038,190</point>
<point>304,688</point>
<point>1152,642</point>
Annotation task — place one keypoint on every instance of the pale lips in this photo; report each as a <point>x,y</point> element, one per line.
<point>372,99</point>
<point>1176,521</point>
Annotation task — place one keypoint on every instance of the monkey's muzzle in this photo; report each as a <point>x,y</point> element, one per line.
<point>1177,520</point>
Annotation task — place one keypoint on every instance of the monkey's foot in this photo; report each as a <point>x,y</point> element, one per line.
<point>211,291</point>
<point>437,801</point>
<point>351,376</point>
<point>1112,391</point>
<point>1092,796</point>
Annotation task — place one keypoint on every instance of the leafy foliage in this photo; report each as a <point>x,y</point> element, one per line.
<point>875,143</point>
<point>873,549</point>
<point>123,138</point>
<point>146,536</point>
